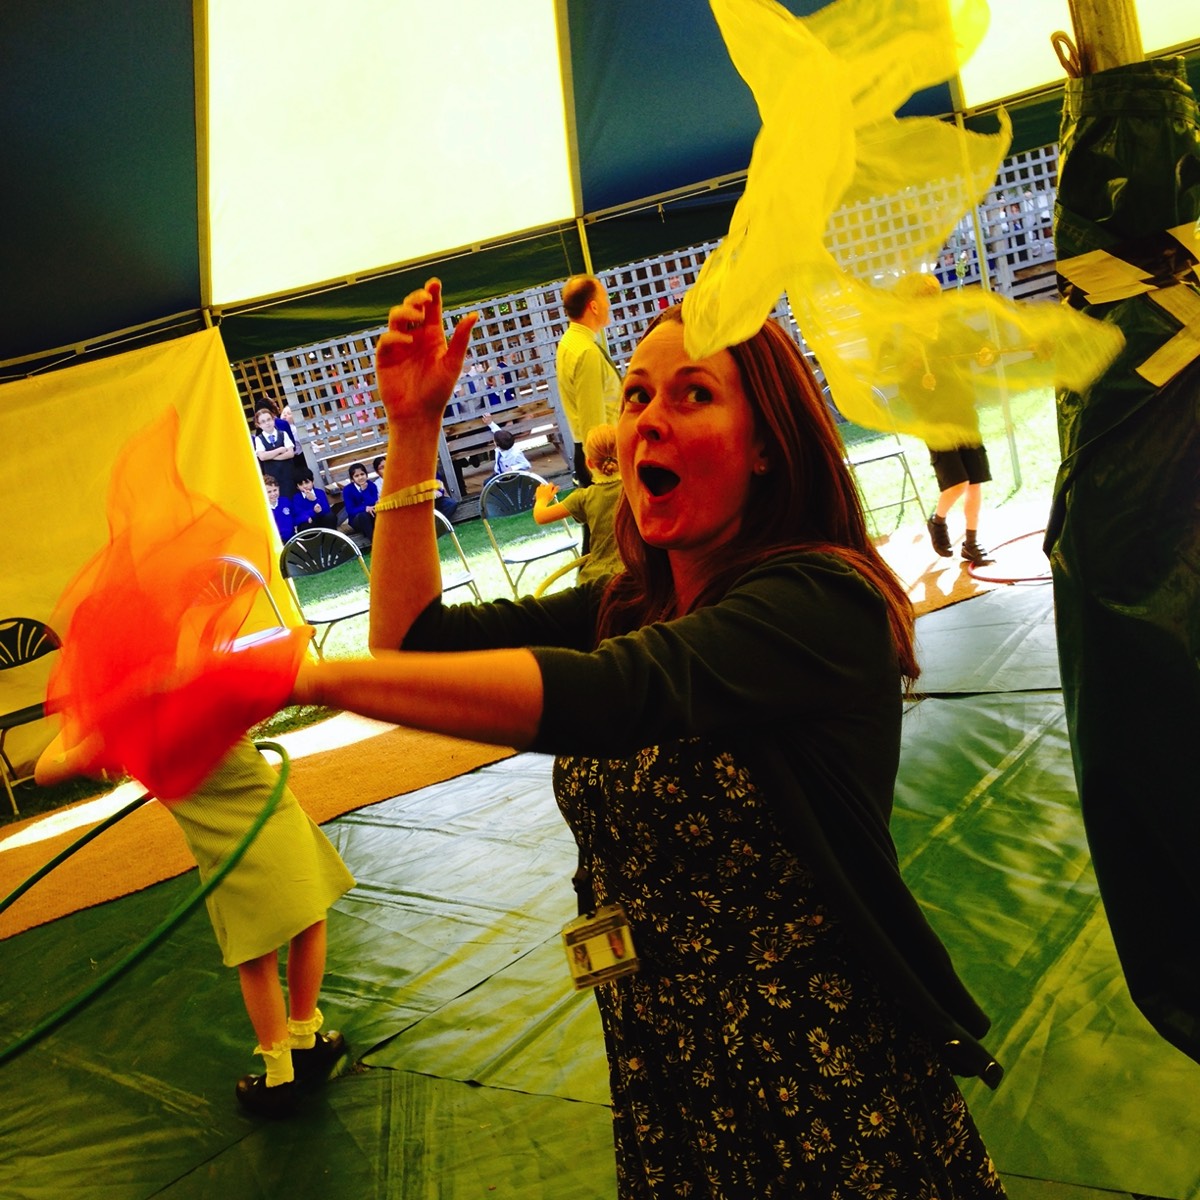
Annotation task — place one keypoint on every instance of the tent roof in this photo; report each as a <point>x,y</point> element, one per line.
<point>160,151</point>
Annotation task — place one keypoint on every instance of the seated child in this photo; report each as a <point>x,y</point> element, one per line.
<point>310,505</point>
<point>281,509</point>
<point>360,497</point>
<point>593,506</point>
<point>445,503</point>
<point>508,457</point>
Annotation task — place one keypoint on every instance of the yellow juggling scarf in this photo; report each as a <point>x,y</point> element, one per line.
<point>827,89</point>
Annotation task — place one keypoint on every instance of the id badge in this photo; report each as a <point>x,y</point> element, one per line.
<point>599,947</point>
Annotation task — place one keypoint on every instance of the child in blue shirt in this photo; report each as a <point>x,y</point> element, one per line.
<point>281,509</point>
<point>360,497</point>
<point>310,505</point>
<point>508,457</point>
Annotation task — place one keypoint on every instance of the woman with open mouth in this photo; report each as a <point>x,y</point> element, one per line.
<point>780,1019</point>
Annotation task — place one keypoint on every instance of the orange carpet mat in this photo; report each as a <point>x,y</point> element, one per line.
<point>374,762</point>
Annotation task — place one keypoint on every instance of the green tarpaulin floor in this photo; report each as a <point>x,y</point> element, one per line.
<point>478,1071</point>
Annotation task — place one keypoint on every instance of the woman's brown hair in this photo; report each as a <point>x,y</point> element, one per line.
<point>807,501</point>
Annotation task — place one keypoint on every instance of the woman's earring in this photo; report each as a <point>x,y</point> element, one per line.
<point>761,468</point>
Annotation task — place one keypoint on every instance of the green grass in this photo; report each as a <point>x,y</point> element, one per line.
<point>1036,445</point>
<point>287,720</point>
<point>35,801</point>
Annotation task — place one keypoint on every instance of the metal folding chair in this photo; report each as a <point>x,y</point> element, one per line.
<point>22,640</point>
<point>554,576</point>
<point>232,575</point>
<point>454,575</point>
<point>313,552</point>
<point>865,447</point>
<point>505,506</point>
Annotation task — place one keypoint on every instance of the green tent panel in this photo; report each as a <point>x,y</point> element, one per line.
<point>144,140</point>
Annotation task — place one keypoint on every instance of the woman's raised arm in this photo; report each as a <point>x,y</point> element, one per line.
<point>416,369</point>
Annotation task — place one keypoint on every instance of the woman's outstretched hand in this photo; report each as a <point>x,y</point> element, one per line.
<point>416,368</point>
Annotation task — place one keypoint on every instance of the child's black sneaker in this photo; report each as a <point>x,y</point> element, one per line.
<point>939,535</point>
<point>976,555</point>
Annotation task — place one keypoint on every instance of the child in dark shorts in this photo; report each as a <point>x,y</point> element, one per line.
<point>961,474</point>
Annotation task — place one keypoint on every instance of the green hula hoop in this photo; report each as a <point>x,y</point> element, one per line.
<point>173,919</point>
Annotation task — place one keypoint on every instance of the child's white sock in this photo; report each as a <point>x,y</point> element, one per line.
<point>302,1035</point>
<point>279,1064</point>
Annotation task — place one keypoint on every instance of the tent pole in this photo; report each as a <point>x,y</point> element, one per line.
<point>1106,34</point>
<point>571,130</point>
<point>203,215</point>
<point>985,282</point>
<point>581,229</point>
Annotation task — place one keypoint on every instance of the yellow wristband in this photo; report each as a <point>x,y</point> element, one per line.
<point>418,493</point>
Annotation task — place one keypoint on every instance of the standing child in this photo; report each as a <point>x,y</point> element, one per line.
<point>276,448</point>
<point>935,382</point>
<point>961,474</point>
<point>593,506</point>
<point>277,895</point>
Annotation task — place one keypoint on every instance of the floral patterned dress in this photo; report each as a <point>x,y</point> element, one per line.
<point>753,1055</point>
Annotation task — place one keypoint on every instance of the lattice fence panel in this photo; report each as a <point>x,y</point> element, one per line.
<point>257,381</point>
<point>509,376</point>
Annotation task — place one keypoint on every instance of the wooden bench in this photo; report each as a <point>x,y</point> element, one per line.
<point>1036,281</point>
<point>527,411</point>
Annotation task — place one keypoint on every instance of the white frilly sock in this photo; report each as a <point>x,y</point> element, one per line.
<point>302,1035</point>
<point>279,1064</point>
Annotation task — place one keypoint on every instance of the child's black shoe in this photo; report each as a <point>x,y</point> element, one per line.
<point>314,1064</point>
<point>255,1097</point>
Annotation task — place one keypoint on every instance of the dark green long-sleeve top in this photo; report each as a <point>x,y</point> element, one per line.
<point>795,667</point>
